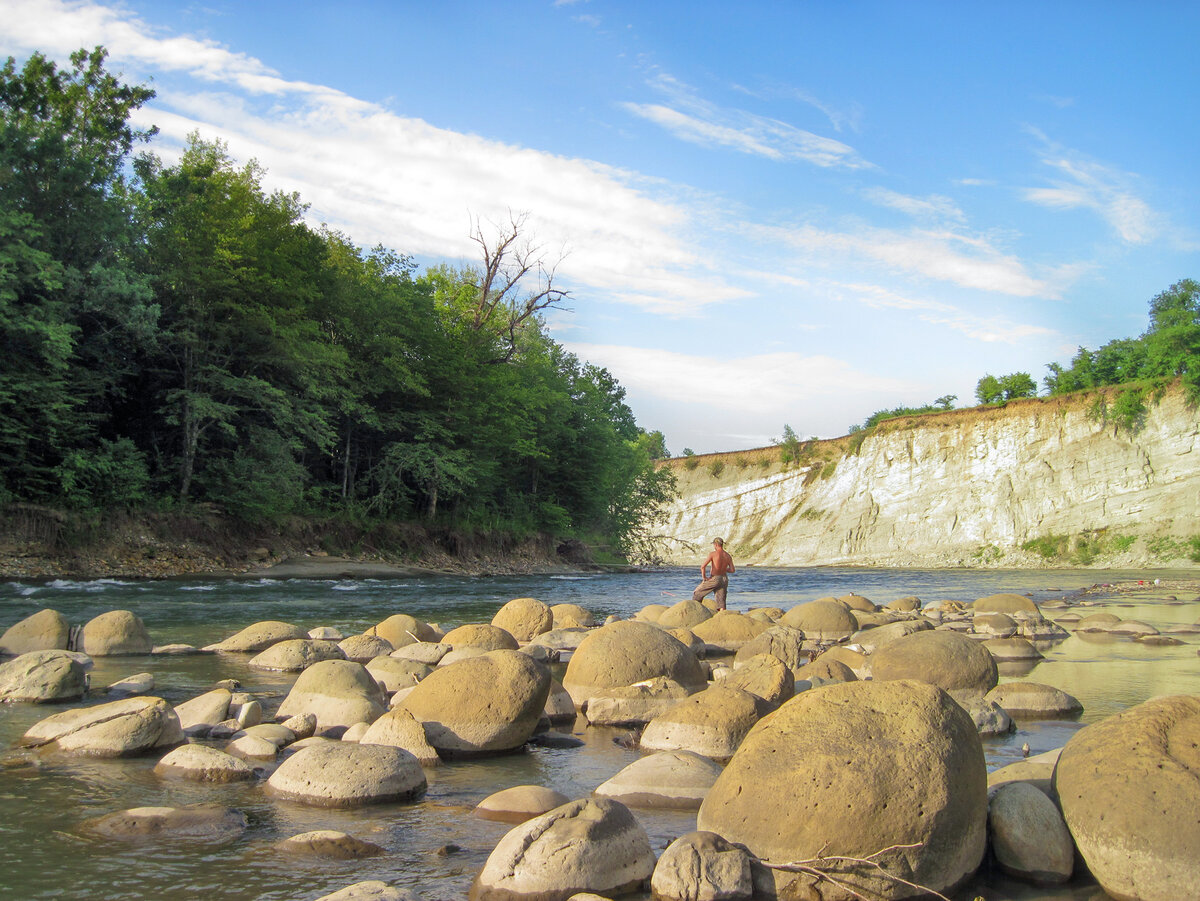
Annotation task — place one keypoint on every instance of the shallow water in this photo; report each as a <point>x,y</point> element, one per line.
<point>44,853</point>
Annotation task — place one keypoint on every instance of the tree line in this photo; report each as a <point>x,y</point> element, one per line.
<point>175,334</point>
<point>1143,367</point>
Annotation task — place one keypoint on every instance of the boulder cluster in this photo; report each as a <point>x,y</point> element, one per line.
<point>832,750</point>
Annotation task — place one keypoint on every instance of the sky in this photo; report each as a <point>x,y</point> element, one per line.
<point>766,213</point>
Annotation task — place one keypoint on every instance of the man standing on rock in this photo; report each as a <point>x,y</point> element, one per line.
<point>718,581</point>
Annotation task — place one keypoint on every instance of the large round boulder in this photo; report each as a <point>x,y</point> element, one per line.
<point>703,865</point>
<point>1008,604</point>
<point>198,822</point>
<point>483,636</point>
<point>684,615</point>
<point>1029,838</point>
<point>482,705</point>
<point>400,630</point>
<point>41,676</point>
<point>295,654</point>
<point>871,640</point>
<point>589,845</point>
<point>337,693</point>
<point>1129,792</point>
<point>199,714</point>
<point>523,618</point>
<point>519,803</point>
<point>853,770</point>
<point>400,729</point>
<point>341,774</point>
<point>728,630</point>
<point>117,729</point>
<point>200,763</point>
<point>46,630</point>
<point>365,648</point>
<point>712,723</point>
<point>826,620</point>
<point>258,637</point>
<point>668,779</point>
<point>948,660</point>
<point>572,616</point>
<point>397,672</point>
<point>782,642</point>
<point>1034,701</point>
<point>626,652</point>
<point>116,633</point>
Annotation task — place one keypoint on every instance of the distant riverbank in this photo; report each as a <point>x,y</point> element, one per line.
<point>40,543</point>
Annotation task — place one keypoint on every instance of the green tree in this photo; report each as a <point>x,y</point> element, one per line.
<point>72,307</point>
<point>992,390</point>
<point>1172,342</point>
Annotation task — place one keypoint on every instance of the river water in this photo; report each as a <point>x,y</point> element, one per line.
<point>44,853</point>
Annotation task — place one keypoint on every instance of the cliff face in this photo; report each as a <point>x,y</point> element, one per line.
<point>966,487</point>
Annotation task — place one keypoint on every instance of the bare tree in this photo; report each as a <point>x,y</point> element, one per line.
<point>516,282</point>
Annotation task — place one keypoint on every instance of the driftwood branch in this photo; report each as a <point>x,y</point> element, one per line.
<point>818,868</point>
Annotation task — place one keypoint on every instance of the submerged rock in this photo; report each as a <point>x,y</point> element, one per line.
<point>200,763</point>
<point>519,803</point>
<point>116,729</point>
<point>668,779</point>
<point>199,822</point>
<point>329,843</point>
<point>336,774</point>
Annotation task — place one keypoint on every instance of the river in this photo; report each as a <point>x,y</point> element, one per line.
<point>436,846</point>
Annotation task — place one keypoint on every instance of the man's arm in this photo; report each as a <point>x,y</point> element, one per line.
<point>729,562</point>
<point>704,567</point>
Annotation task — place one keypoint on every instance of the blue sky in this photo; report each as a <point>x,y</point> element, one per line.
<point>766,213</point>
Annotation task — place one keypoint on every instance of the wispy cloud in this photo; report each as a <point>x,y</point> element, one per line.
<point>932,207</point>
<point>840,118</point>
<point>1087,184</point>
<point>396,180</point>
<point>693,119</point>
<point>989,329</point>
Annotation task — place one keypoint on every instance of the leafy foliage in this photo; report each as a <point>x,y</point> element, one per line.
<point>178,334</point>
<point>994,390</point>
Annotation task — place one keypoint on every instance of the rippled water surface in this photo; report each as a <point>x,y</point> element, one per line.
<point>44,853</point>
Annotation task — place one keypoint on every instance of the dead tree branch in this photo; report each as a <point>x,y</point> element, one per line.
<point>818,868</point>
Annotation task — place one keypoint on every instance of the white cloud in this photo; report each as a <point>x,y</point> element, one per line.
<point>1086,184</point>
<point>693,119</point>
<point>395,180</point>
<point>934,206</point>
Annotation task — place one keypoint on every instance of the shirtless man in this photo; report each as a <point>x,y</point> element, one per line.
<point>718,582</point>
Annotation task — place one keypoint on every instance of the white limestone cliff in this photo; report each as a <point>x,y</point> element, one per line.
<point>966,487</point>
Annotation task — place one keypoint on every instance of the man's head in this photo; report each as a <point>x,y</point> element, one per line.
<point>718,543</point>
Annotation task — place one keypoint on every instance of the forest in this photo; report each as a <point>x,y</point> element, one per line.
<point>175,335</point>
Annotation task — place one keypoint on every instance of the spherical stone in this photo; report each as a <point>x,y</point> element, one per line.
<point>114,634</point>
<point>486,637</point>
<point>782,642</point>
<point>401,730</point>
<point>634,705</point>
<point>523,618</point>
<point>200,763</point>
<point>486,704</point>
<point>1032,700</point>
<point>371,890</point>
<point>251,747</point>
<point>702,865</point>
<point>137,684</point>
<point>989,717</point>
<point>728,630</point>
<point>1029,837</point>
<point>997,625</point>
<point>336,774</point>
<point>825,669</point>
<point>871,640</point>
<point>855,768</point>
<point>593,844</point>
<point>427,652</point>
<point>258,637</point>
<point>950,661</point>
<point>46,630</point>
<point>667,779</point>
<point>570,616</point>
<point>764,676</point>
<point>684,615</point>
<point>827,620</point>
<point>337,693</point>
<point>365,648</point>
<point>1097,622</point>
<point>400,630</point>
<point>519,803</point>
<point>42,676</point>
<point>857,662</point>
<point>117,729</point>
<point>329,843</point>
<point>1010,604</point>
<point>295,655</point>
<point>712,723</point>
<point>1008,649</point>
<point>326,633</point>
<point>1129,793</point>
<point>301,725</point>
<point>624,653</point>
<point>650,613</point>
<point>396,672</point>
<point>858,602</point>
<point>908,604</point>
<point>198,822</point>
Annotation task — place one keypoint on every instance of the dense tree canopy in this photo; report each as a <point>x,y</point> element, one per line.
<point>175,334</point>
